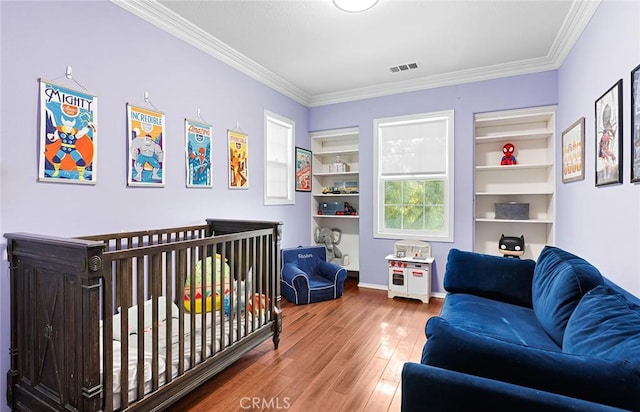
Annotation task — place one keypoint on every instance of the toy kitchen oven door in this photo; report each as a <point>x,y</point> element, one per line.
<point>410,270</point>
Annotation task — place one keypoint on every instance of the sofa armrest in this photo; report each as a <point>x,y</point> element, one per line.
<point>614,383</point>
<point>495,277</point>
<point>435,389</point>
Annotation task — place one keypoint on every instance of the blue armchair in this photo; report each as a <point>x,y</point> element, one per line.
<point>307,277</point>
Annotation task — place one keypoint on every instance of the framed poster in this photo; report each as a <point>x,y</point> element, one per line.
<point>198,152</point>
<point>635,124</point>
<point>303,170</point>
<point>573,152</point>
<point>68,134</point>
<point>238,160</point>
<point>146,147</point>
<point>608,137</point>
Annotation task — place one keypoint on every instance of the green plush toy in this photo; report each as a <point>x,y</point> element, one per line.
<point>197,298</point>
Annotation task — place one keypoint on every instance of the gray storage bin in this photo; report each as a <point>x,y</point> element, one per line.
<point>512,211</point>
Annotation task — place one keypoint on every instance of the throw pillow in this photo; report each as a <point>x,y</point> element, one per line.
<point>560,279</point>
<point>604,324</point>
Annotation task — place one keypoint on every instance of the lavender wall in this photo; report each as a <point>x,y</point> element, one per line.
<point>601,223</point>
<point>118,57</point>
<point>466,100</point>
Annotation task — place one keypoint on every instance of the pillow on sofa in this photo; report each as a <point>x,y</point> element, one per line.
<point>494,277</point>
<point>615,383</point>
<point>560,279</point>
<point>604,324</point>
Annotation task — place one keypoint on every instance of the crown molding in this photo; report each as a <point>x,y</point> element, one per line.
<point>155,13</point>
<point>165,19</point>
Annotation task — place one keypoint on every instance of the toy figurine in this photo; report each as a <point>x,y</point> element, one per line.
<point>509,157</point>
<point>511,246</point>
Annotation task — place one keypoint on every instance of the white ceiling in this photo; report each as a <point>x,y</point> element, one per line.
<point>316,54</point>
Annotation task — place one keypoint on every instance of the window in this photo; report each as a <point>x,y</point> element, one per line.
<point>279,133</point>
<point>413,172</point>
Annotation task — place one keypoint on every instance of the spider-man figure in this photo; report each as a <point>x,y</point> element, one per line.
<point>509,157</point>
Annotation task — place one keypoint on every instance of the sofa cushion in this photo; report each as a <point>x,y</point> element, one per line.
<point>496,319</point>
<point>560,279</point>
<point>604,324</point>
<point>495,277</point>
<point>611,382</point>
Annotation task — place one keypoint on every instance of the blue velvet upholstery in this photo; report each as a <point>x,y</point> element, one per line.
<point>495,277</point>
<point>429,388</point>
<point>605,324</point>
<point>307,277</point>
<point>521,335</point>
<point>559,281</point>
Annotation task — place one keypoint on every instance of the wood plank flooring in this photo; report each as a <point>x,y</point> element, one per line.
<point>340,355</point>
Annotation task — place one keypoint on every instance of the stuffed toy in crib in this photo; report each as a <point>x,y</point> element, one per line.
<point>194,301</point>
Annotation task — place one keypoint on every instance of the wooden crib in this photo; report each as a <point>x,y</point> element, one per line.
<point>72,299</point>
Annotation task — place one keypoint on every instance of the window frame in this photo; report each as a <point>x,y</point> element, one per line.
<point>379,231</point>
<point>289,125</point>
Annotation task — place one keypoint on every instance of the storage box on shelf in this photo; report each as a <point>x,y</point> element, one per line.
<point>530,180</point>
<point>335,187</point>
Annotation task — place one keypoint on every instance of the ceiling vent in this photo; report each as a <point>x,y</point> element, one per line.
<point>404,67</point>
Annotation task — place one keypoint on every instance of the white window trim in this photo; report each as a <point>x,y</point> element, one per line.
<point>378,190</point>
<point>289,199</point>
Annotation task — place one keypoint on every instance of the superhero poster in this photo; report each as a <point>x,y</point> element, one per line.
<point>68,134</point>
<point>146,163</point>
<point>238,160</point>
<point>198,150</point>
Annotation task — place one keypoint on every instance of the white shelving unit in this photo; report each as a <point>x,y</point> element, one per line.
<point>531,180</point>
<point>327,146</point>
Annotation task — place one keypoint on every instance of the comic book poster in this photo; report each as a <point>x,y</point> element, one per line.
<point>146,163</point>
<point>238,160</point>
<point>68,134</point>
<point>198,150</point>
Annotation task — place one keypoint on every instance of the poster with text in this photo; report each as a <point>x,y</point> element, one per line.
<point>198,150</point>
<point>146,163</point>
<point>68,134</point>
<point>238,160</point>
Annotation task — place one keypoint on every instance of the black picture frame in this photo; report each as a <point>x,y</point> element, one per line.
<point>303,170</point>
<point>608,136</point>
<point>635,124</point>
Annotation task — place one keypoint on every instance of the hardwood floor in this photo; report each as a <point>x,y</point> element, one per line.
<point>340,355</point>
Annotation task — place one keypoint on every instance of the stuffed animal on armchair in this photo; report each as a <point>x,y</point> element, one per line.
<point>330,238</point>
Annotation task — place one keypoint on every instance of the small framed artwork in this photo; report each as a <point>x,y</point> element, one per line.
<point>238,160</point>
<point>146,163</point>
<point>303,170</point>
<point>198,151</point>
<point>635,124</point>
<point>608,139</point>
<point>573,152</point>
<point>68,134</point>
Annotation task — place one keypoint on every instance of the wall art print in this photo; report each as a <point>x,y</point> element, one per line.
<point>146,129</point>
<point>238,160</point>
<point>573,152</point>
<point>198,149</point>
<point>68,134</point>
<point>635,124</point>
<point>303,170</point>
<point>608,115</point>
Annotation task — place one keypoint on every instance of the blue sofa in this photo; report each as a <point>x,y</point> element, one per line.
<point>552,335</point>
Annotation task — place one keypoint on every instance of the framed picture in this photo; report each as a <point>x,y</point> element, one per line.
<point>635,124</point>
<point>573,152</point>
<point>238,160</point>
<point>608,139</point>
<point>146,163</point>
<point>303,170</point>
<point>198,152</point>
<point>68,134</point>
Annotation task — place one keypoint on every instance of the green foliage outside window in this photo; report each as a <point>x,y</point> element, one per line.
<point>414,205</point>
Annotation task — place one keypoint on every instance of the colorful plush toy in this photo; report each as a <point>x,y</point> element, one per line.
<point>508,157</point>
<point>194,301</point>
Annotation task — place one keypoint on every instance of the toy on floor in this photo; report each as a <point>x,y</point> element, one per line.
<point>509,157</point>
<point>511,246</point>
